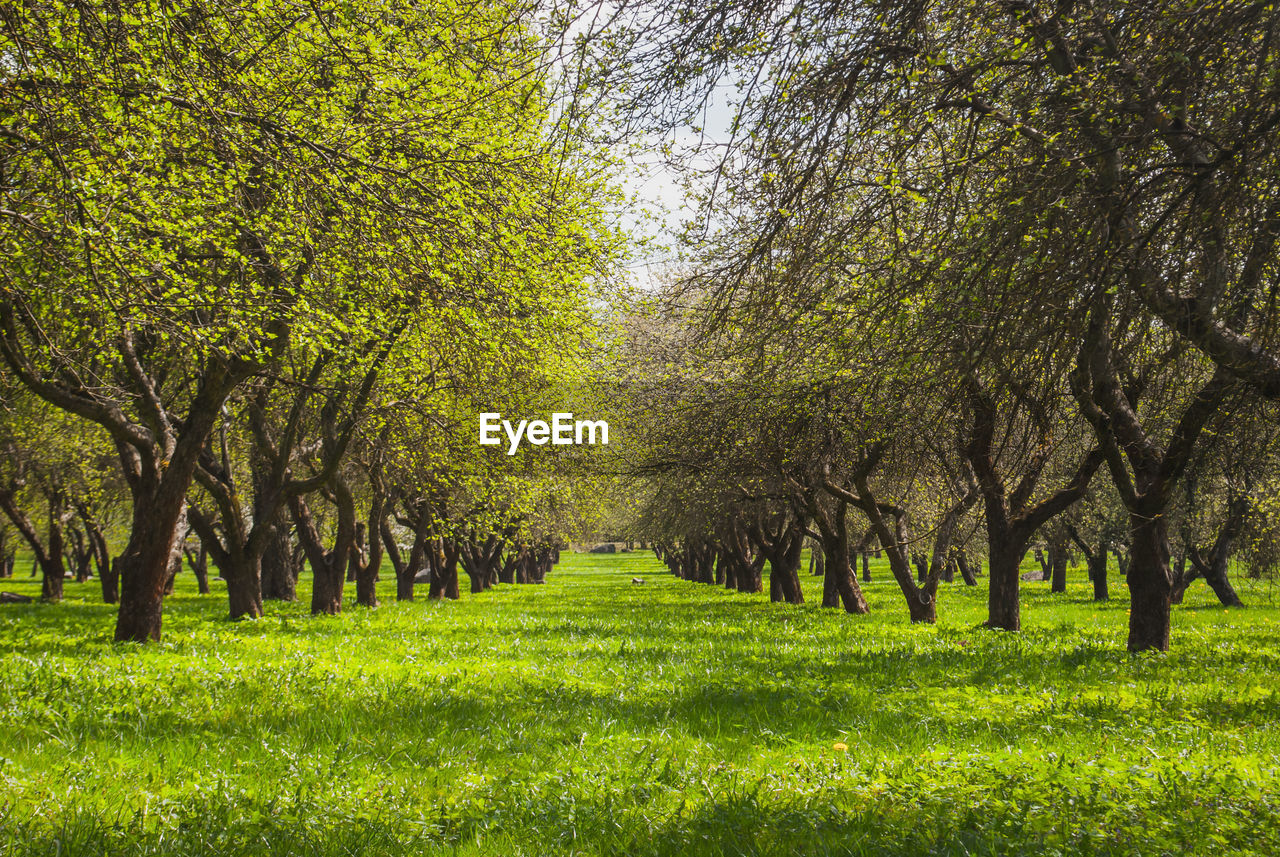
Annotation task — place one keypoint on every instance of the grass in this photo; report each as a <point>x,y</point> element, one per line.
<point>592,716</point>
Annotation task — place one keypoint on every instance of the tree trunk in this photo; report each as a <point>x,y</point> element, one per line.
<point>279,570</point>
<point>329,577</point>
<point>404,580</point>
<point>328,567</point>
<point>922,603</point>
<point>1003,596</point>
<point>175,568</point>
<point>444,577</point>
<point>1150,583</point>
<point>367,557</point>
<point>1058,557</point>
<point>1216,576</point>
<point>110,581</point>
<point>200,568</point>
<point>144,568</point>
<point>1058,572</point>
<point>921,562</point>
<point>1096,562</point>
<point>840,586</point>
<point>1098,574</point>
<point>790,569</point>
<point>244,587</point>
<point>1214,567</point>
<point>82,554</point>
<point>830,593</point>
<point>366,582</point>
<point>54,572</point>
<point>237,564</point>
<point>966,571</point>
<point>51,586</point>
<point>46,561</point>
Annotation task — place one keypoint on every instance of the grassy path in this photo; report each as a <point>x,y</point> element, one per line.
<point>593,716</point>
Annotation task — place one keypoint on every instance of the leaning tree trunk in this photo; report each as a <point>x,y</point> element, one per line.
<point>45,560</point>
<point>922,603</point>
<point>1214,568</point>
<point>1215,574</point>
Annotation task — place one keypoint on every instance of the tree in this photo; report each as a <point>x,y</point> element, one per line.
<point>196,194</point>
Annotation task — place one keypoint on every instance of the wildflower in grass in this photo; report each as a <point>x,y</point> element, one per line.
<point>840,747</point>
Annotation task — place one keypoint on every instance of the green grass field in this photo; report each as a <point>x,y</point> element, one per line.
<point>594,716</point>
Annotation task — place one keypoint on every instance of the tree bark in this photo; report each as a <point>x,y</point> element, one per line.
<point>1150,583</point>
<point>840,584</point>
<point>110,581</point>
<point>404,580</point>
<point>1058,558</point>
<point>199,562</point>
<point>1096,561</point>
<point>238,564</point>
<point>1004,607</point>
<point>328,567</point>
<point>279,570</point>
<point>444,577</point>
